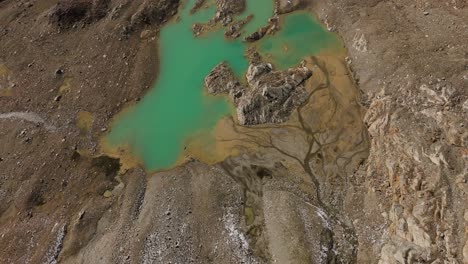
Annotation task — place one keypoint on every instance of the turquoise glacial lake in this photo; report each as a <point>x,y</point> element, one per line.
<point>156,129</point>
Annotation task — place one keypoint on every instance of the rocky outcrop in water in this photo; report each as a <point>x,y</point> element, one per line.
<point>270,96</point>
<point>271,28</point>
<point>227,8</point>
<point>234,30</point>
<point>230,7</point>
<point>222,80</point>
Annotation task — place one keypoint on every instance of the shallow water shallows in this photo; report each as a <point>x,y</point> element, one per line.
<point>176,108</point>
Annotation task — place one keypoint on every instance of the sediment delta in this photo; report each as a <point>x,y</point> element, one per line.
<point>369,168</point>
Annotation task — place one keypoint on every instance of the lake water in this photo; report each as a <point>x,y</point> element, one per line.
<point>176,109</point>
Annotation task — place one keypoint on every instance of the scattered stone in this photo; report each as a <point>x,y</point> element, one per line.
<point>22,133</point>
<point>107,194</point>
<point>145,34</point>
<point>81,214</point>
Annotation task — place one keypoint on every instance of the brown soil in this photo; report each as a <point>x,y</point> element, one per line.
<point>74,71</point>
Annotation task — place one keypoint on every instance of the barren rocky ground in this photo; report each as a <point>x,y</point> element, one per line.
<point>392,189</point>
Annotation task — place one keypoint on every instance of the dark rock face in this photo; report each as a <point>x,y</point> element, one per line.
<point>67,12</point>
<point>154,12</point>
<point>270,97</point>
